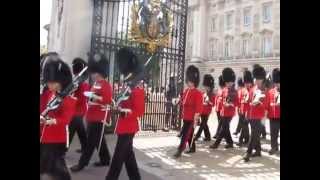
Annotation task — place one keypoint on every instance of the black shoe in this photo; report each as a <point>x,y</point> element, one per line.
<point>190,151</point>
<point>177,154</point>
<point>235,133</point>
<point>214,146</point>
<point>79,151</point>
<point>206,139</point>
<point>246,158</point>
<point>76,168</point>
<point>165,130</point>
<point>240,144</point>
<point>99,164</point>
<point>273,151</point>
<point>228,146</point>
<point>256,154</point>
<point>179,135</point>
<point>215,136</point>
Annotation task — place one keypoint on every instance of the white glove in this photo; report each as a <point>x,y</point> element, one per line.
<point>88,94</point>
<point>124,110</point>
<point>51,122</point>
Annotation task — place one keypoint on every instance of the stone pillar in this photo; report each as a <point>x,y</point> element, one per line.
<point>75,29</point>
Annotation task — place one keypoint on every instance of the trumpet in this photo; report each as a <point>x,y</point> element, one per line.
<point>258,95</point>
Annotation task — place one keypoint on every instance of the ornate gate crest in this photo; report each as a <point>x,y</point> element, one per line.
<point>151,24</point>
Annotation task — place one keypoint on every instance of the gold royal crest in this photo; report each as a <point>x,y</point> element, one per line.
<point>151,24</point>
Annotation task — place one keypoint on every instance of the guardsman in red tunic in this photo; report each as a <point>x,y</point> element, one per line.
<point>192,104</point>
<point>127,125</point>
<point>218,104</point>
<point>243,107</point>
<point>208,104</point>
<point>54,128</point>
<point>229,104</point>
<point>256,112</point>
<point>239,90</point>
<point>100,97</point>
<point>273,110</point>
<point>77,124</point>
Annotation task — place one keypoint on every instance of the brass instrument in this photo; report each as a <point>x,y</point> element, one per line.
<point>258,95</point>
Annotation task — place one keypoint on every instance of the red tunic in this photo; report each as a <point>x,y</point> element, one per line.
<point>255,112</point>
<point>207,107</point>
<point>192,103</point>
<point>228,111</point>
<point>96,109</point>
<point>81,106</point>
<point>272,107</point>
<point>218,100</point>
<point>57,133</point>
<point>128,124</point>
<point>243,101</point>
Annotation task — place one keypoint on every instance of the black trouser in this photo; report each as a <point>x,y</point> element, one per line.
<point>274,131</point>
<point>94,133</point>
<point>239,126</point>
<point>171,111</point>
<point>123,153</point>
<point>52,161</point>
<point>76,125</point>
<point>224,131</point>
<point>254,142</point>
<point>263,129</point>
<point>204,127</point>
<point>187,134</point>
<point>219,123</point>
<point>244,133</point>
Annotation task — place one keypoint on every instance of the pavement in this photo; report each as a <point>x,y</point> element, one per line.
<point>154,153</point>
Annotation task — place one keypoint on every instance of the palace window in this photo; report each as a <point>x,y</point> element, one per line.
<point>247,17</point>
<point>266,13</point>
<point>266,45</point>
<point>227,47</point>
<point>228,24</point>
<point>245,47</point>
<point>213,25</point>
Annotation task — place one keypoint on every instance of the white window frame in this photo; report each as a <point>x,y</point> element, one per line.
<point>213,25</point>
<point>247,19</point>
<point>267,45</point>
<point>229,21</point>
<point>245,46</point>
<point>266,14</point>
<point>227,47</point>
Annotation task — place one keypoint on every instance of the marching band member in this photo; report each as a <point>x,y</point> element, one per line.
<point>256,112</point>
<point>100,97</point>
<point>239,90</point>
<point>76,124</point>
<point>53,131</point>
<point>243,107</point>
<point>218,104</point>
<point>229,104</point>
<point>208,104</point>
<point>273,110</point>
<point>191,103</point>
<point>127,126</point>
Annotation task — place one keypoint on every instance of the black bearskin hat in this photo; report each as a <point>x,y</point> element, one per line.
<point>77,65</point>
<point>240,82</point>
<point>128,62</point>
<point>258,72</point>
<point>221,82</point>
<point>208,81</point>
<point>228,75</point>
<point>57,71</point>
<point>247,77</point>
<point>193,75</point>
<point>276,75</point>
<point>98,63</point>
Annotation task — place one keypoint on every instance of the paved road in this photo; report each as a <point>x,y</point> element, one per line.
<point>154,155</point>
